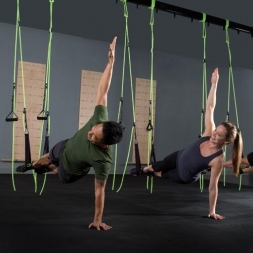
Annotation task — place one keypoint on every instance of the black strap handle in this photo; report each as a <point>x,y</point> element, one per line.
<point>9,119</point>
<point>42,117</point>
<point>14,116</point>
<point>149,126</point>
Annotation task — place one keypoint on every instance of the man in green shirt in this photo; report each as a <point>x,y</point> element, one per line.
<point>89,147</point>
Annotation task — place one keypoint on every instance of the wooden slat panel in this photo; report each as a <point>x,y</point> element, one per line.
<point>89,85</point>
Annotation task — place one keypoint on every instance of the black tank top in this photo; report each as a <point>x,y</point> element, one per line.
<point>190,162</point>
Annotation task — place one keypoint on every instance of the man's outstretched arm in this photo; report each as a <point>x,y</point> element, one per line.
<point>106,78</point>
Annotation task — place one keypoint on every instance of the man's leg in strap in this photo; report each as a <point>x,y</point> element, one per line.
<point>48,162</point>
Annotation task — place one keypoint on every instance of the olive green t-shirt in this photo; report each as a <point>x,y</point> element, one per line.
<point>80,154</point>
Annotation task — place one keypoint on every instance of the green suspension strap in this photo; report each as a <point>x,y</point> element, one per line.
<point>228,98</point>
<point>151,97</point>
<point>131,85</point>
<point>204,87</point>
<point>204,92</point>
<point>44,114</point>
<point>120,110</point>
<point>231,82</point>
<point>12,117</point>
<point>25,125</point>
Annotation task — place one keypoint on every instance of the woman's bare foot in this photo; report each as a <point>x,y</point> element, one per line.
<point>148,169</point>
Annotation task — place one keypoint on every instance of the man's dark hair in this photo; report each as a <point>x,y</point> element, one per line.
<point>113,132</point>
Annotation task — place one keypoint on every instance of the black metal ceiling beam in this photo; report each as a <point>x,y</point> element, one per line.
<point>194,15</point>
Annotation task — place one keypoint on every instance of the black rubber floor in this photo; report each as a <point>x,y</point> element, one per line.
<point>171,219</point>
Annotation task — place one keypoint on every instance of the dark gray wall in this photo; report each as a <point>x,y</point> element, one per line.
<point>179,89</point>
<point>101,20</point>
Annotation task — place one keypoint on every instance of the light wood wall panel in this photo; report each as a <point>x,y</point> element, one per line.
<point>88,94</point>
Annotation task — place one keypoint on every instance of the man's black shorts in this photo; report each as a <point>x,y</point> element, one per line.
<point>55,156</point>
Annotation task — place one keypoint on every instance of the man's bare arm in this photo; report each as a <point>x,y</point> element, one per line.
<point>99,205</point>
<point>106,78</point>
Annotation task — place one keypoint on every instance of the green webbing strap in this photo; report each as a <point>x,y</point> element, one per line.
<point>22,76</point>
<point>204,91</point>
<point>151,93</point>
<point>25,125</point>
<point>18,39</point>
<point>14,93</point>
<point>128,154</point>
<point>47,89</point>
<point>122,87</point>
<point>13,101</point>
<point>44,152</point>
<point>48,72</point>
<point>131,85</point>
<point>121,100</point>
<point>231,76</point>
<point>231,81</point>
<point>228,99</point>
<point>16,44</point>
